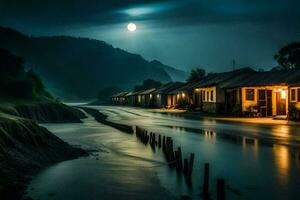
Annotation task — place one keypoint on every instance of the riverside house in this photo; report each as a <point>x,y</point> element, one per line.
<point>119,98</point>
<point>146,97</point>
<point>161,94</point>
<point>133,99</point>
<point>272,93</point>
<point>181,97</point>
<point>209,93</point>
<point>242,92</point>
<point>130,99</point>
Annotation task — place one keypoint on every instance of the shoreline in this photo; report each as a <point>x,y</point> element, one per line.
<point>218,117</point>
<point>26,147</point>
<point>197,115</point>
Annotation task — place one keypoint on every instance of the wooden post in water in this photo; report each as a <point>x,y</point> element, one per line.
<point>147,138</point>
<point>220,189</point>
<point>171,151</point>
<point>179,158</point>
<point>191,164</point>
<point>159,141</point>
<point>145,135</point>
<point>206,179</point>
<point>164,143</point>
<point>185,166</point>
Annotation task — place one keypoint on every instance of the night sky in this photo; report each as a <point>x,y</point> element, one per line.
<point>181,33</point>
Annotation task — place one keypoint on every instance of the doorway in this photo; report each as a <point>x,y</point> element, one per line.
<point>198,100</point>
<point>265,102</point>
<point>231,100</point>
<point>280,103</point>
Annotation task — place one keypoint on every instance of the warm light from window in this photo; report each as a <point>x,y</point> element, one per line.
<point>183,95</point>
<point>150,96</point>
<point>157,96</point>
<point>283,94</point>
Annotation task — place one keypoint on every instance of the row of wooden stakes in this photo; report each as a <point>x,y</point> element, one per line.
<point>174,158</point>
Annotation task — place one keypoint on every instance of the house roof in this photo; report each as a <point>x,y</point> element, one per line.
<point>147,91</point>
<point>279,77</point>
<point>120,94</point>
<point>133,93</point>
<point>164,89</point>
<point>220,78</point>
<point>184,87</point>
<point>129,94</point>
<point>142,92</point>
<point>213,79</point>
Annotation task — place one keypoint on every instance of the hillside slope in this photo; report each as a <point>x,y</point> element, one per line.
<point>79,67</point>
<point>176,74</point>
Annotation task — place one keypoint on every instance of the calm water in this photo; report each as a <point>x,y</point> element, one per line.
<point>257,162</point>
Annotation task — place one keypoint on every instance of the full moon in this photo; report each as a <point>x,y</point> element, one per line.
<point>131,27</point>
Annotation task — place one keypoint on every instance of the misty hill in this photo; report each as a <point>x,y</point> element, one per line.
<point>176,75</point>
<point>79,67</point>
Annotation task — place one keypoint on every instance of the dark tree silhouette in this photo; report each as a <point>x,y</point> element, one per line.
<point>10,65</point>
<point>196,75</point>
<point>289,56</point>
<point>147,84</point>
<point>15,82</point>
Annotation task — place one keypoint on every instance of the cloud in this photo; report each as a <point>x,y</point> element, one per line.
<point>179,32</point>
<point>72,12</point>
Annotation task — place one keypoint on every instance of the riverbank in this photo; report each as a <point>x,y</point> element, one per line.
<point>26,147</point>
<point>212,116</point>
<point>119,167</point>
<point>46,111</point>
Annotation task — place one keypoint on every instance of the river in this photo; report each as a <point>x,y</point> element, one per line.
<point>256,161</point>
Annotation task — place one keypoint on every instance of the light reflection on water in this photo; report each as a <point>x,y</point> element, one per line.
<point>251,159</point>
<point>282,162</point>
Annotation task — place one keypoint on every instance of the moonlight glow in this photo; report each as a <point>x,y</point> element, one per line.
<point>131,27</point>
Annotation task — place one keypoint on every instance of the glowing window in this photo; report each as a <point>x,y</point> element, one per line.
<point>250,94</point>
<point>293,94</point>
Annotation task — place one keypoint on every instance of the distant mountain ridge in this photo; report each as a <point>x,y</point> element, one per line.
<point>176,74</point>
<point>79,67</point>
